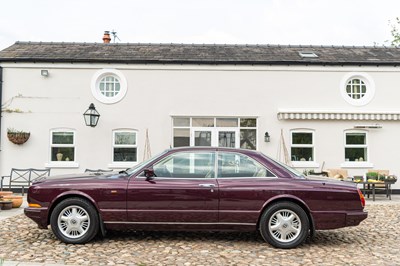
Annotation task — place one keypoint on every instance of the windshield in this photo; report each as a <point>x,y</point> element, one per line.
<point>140,165</point>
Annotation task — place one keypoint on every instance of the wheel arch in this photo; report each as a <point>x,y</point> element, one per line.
<point>295,200</point>
<point>72,194</point>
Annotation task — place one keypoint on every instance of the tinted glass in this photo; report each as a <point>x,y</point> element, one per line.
<point>232,165</point>
<point>301,138</point>
<point>125,154</point>
<point>187,165</point>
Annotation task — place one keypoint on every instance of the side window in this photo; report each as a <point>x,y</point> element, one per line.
<point>186,165</point>
<point>239,165</point>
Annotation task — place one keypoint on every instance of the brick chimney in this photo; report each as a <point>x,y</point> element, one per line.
<point>106,37</point>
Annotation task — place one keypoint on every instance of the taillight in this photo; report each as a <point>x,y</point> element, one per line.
<point>362,198</point>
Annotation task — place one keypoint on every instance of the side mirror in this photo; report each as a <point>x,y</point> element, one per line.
<point>149,174</point>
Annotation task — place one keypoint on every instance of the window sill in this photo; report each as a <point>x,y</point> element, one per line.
<point>62,165</point>
<point>305,164</point>
<point>357,165</point>
<point>121,165</point>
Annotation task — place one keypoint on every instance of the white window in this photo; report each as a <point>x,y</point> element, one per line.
<point>357,88</point>
<point>231,132</point>
<point>62,149</point>
<point>356,149</point>
<point>124,146</point>
<point>302,148</point>
<point>109,86</point>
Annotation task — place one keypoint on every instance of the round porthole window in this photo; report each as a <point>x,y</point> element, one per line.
<point>357,88</point>
<point>109,86</point>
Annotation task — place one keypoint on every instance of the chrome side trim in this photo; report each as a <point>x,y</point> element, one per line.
<point>178,223</point>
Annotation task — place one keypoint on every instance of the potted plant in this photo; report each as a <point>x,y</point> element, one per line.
<point>5,204</point>
<point>372,176</point>
<point>17,137</point>
<point>16,200</point>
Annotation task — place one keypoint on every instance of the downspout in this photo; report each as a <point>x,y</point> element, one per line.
<point>1,99</point>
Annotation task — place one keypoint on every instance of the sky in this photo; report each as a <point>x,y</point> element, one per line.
<point>294,22</point>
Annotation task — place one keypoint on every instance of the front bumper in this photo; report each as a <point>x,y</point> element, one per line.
<point>38,215</point>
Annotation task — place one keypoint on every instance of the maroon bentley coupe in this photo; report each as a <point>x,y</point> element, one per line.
<point>196,189</point>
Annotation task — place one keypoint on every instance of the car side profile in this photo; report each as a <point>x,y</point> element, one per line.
<point>196,188</point>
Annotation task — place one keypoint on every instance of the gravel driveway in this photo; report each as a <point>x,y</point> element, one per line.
<point>375,242</point>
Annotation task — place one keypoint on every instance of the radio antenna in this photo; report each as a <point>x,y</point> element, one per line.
<point>114,34</point>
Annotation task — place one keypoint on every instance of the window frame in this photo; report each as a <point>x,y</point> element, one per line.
<point>98,77</point>
<point>215,129</point>
<point>124,164</point>
<point>369,85</point>
<point>356,164</point>
<point>62,164</point>
<point>304,164</point>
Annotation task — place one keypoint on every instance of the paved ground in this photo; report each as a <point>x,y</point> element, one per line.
<point>374,242</point>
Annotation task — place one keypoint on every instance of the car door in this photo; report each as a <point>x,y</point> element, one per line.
<point>183,190</point>
<point>244,187</point>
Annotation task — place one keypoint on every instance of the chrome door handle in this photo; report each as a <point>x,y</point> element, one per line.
<point>206,185</point>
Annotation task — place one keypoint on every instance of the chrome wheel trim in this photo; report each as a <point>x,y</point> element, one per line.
<point>73,221</point>
<point>284,226</point>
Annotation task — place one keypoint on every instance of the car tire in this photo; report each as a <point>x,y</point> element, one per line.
<point>74,221</point>
<point>284,225</point>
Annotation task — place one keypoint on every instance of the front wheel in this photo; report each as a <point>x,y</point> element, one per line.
<point>284,225</point>
<point>74,221</point>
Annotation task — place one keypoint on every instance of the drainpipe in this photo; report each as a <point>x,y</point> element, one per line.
<point>1,99</point>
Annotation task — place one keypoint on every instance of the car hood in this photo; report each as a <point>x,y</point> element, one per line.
<point>72,177</point>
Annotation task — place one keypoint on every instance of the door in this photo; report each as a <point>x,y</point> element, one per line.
<point>228,137</point>
<point>244,187</point>
<point>215,137</point>
<point>184,190</point>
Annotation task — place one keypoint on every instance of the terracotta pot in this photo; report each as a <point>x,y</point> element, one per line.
<point>6,193</point>
<point>16,200</point>
<point>5,205</point>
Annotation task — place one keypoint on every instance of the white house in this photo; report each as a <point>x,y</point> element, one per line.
<point>336,107</point>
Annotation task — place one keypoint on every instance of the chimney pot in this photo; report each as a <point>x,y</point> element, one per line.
<point>106,37</point>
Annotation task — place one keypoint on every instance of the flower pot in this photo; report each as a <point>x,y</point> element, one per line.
<point>18,137</point>
<point>16,200</point>
<point>6,193</point>
<point>6,205</point>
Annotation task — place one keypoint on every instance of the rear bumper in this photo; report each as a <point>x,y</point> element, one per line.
<point>334,220</point>
<point>38,215</point>
<point>355,218</point>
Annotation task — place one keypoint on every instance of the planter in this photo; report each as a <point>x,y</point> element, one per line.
<point>16,200</point>
<point>18,137</point>
<point>6,193</point>
<point>6,205</point>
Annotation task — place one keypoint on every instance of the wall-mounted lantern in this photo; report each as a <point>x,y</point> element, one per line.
<point>91,116</point>
<point>267,138</point>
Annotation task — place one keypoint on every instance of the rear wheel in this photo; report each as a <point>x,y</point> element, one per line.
<point>284,225</point>
<point>74,221</point>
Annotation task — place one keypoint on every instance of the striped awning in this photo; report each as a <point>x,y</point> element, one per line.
<point>338,115</point>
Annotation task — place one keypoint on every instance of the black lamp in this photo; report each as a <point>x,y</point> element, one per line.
<point>267,137</point>
<point>91,116</point>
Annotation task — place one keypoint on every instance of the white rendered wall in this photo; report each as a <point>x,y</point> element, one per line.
<point>157,92</point>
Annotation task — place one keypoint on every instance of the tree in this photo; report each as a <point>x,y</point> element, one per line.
<point>395,32</point>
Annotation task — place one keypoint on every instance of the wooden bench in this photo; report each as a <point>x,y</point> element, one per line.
<point>97,171</point>
<point>23,177</point>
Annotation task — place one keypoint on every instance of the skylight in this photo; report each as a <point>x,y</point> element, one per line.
<point>308,54</point>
